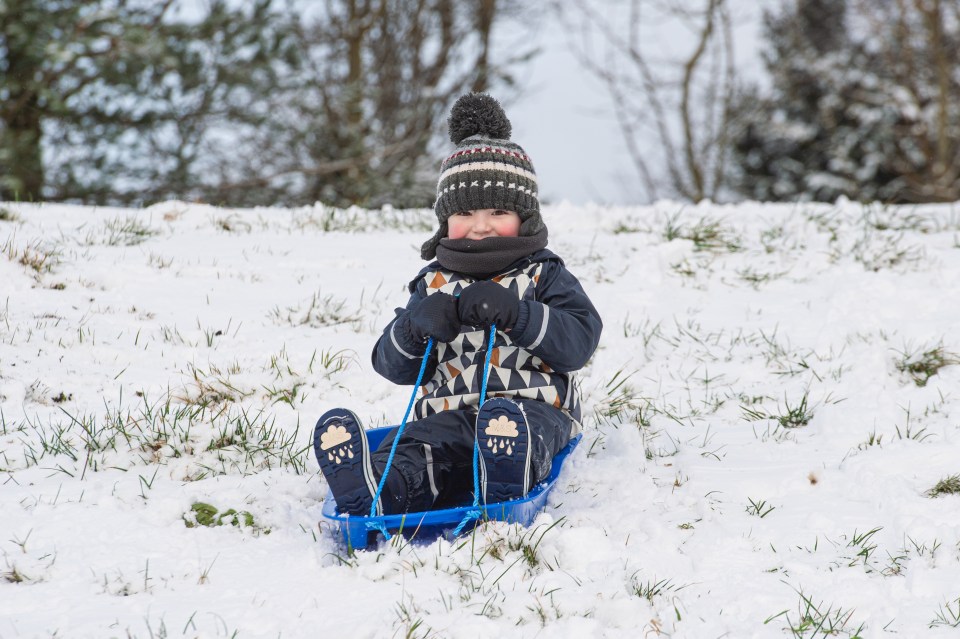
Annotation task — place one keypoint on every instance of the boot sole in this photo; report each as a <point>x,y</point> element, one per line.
<point>503,437</point>
<point>340,444</point>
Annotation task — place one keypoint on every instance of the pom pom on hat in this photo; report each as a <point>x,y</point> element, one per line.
<point>477,114</point>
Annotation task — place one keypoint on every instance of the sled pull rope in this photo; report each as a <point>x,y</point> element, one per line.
<point>475,512</point>
<point>377,524</point>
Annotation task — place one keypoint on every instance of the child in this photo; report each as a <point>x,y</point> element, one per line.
<point>491,268</point>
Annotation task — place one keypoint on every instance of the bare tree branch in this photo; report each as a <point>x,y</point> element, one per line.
<point>704,101</point>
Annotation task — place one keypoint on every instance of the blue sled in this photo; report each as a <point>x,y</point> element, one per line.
<point>431,524</point>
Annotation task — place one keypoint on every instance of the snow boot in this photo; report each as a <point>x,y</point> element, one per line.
<point>504,441</point>
<point>340,444</point>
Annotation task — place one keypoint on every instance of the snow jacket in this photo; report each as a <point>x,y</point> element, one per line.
<point>557,331</point>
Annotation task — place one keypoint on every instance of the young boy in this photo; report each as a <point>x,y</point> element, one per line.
<point>491,268</point>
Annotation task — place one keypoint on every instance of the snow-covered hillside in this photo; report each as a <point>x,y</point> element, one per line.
<point>773,446</point>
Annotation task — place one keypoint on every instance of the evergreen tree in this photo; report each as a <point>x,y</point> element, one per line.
<point>107,101</point>
<point>51,51</point>
<point>857,105</point>
<point>134,101</point>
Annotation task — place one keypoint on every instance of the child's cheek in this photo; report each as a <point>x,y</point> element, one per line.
<point>456,230</point>
<point>510,228</point>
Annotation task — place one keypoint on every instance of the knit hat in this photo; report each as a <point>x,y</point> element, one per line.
<point>486,171</point>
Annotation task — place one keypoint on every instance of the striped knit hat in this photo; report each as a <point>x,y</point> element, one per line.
<point>487,170</point>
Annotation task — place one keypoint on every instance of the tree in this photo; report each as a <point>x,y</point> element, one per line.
<point>107,100</point>
<point>132,101</point>
<point>356,122</point>
<point>683,105</point>
<point>864,104</point>
<point>49,53</point>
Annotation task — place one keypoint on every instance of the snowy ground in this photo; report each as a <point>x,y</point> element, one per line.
<point>774,400</point>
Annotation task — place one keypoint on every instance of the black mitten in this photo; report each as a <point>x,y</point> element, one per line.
<point>484,303</point>
<point>436,317</point>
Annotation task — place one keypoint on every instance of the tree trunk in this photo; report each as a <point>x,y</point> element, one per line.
<point>21,127</point>
<point>933,17</point>
<point>24,180</point>
<point>485,11</point>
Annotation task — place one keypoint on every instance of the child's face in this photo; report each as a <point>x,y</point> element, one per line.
<point>483,223</point>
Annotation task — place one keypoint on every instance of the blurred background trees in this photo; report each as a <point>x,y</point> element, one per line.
<point>264,102</point>
<point>862,98</point>
<point>112,102</point>
<point>674,109</point>
<point>134,101</point>
<point>864,103</point>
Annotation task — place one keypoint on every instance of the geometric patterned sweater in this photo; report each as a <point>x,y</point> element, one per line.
<point>556,333</point>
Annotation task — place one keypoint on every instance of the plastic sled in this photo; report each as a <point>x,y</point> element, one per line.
<point>431,524</point>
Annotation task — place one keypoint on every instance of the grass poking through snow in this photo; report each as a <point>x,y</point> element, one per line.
<point>922,363</point>
<point>946,486</point>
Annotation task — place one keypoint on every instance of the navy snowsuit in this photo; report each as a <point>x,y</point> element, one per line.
<point>556,333</point>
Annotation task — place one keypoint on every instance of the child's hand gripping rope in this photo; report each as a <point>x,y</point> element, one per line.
<point>484,303</point>
<point>436,317</point>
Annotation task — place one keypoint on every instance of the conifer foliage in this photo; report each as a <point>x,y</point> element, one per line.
<point>864,103</point>
<point>109,101</point>
<point>235,103</point>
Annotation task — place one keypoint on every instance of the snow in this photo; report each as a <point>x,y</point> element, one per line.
<point>153,359</point>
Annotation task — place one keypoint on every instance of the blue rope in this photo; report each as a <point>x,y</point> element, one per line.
<point>378,524</point>
<point>475,512</point>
